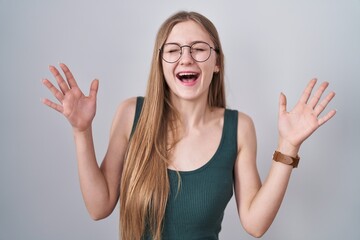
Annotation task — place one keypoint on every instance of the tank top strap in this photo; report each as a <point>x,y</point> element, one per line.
<point>230,127</point>
<point>139,104</point>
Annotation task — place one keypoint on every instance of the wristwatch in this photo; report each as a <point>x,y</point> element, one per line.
<point>279,157</point>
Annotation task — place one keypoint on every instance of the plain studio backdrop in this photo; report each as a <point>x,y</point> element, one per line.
<point>269,46</point>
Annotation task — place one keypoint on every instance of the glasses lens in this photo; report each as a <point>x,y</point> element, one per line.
<point>171,52</point>
<point>200,51</point>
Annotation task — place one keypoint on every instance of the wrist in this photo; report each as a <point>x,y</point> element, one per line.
<point>82,132</point>
<point>287,148</point>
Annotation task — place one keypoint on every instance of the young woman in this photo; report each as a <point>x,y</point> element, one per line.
<point>175,156</point>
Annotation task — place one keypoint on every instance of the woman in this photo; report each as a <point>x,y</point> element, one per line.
<point>175,164</point>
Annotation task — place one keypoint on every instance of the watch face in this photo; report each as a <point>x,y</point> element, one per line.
<point>288,160</point>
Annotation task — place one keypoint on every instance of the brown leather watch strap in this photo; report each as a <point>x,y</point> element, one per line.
<point>279,157</point>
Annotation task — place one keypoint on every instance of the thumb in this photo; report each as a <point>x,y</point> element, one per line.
<point>282,103</point>
<point>94,88</point>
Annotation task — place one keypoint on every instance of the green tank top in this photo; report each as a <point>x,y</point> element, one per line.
<point>196,211</point>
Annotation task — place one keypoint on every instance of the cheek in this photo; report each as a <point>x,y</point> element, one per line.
<point>166,70</point>
<point>213,64</point>
<point>168,75</point>
<point>210,69</point>
<point>209,77</point>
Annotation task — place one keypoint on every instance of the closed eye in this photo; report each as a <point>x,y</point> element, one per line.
<point>198,49</point>
<point>173,51</point>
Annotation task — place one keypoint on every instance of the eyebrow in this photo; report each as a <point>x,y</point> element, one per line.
<point>197,41</point>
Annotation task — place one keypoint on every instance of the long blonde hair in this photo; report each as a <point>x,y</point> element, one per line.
<point>144,184</point>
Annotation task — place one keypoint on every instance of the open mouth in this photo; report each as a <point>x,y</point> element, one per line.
<point>187,77</point>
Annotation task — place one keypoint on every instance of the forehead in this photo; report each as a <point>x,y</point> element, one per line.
<point>188,32</point>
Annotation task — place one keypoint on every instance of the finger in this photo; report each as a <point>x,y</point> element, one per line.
<point>53,105</point>
<point>69,77</point>
<point>316,98</point>
<point>59,95</point>
<point>327,117</point>
<point>307,92</point>
<point>94,88</point>
<point>282,103</point>
<point>322,105</point>
<point>59,79</point>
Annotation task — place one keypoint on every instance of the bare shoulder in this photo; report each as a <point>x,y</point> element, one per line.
<point>244,120</point>
<point>127,107</point>
<point>124,117</point>
<point>246,130</point>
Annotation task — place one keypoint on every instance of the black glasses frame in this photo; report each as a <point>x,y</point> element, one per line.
<point>181,51</point>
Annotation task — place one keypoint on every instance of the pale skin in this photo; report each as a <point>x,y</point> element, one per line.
<point>257,202</point>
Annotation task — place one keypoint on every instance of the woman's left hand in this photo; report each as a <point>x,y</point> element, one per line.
<point>298,124</point>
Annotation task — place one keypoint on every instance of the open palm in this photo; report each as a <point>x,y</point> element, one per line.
<point>73,104</point>
<point>298,124</point>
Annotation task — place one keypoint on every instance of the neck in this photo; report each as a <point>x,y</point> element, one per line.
<point>192,113</point>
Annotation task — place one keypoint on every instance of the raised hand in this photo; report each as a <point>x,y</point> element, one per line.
<point>73,104</point>
<point>298,124</point>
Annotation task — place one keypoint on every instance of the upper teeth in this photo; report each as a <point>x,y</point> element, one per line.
<point>186,74</point>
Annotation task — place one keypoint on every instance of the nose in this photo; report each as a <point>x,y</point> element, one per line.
<point>186,57</point>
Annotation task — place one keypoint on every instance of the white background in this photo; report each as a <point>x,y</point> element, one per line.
<point>270,46</point>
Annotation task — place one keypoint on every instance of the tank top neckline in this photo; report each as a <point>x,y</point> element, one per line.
<point>211,160</point>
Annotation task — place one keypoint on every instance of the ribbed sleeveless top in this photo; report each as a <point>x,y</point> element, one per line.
<point>196,210</point>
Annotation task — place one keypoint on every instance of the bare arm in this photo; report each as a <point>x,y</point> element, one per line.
<point>258,204</point>
<point>99,185</point>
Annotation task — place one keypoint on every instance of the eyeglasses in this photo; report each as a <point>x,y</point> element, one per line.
<point>199,51</point>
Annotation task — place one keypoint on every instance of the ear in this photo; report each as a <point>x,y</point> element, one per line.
<point>216,69</point>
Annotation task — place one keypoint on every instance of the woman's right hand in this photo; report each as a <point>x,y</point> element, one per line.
<point>73,104</point>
